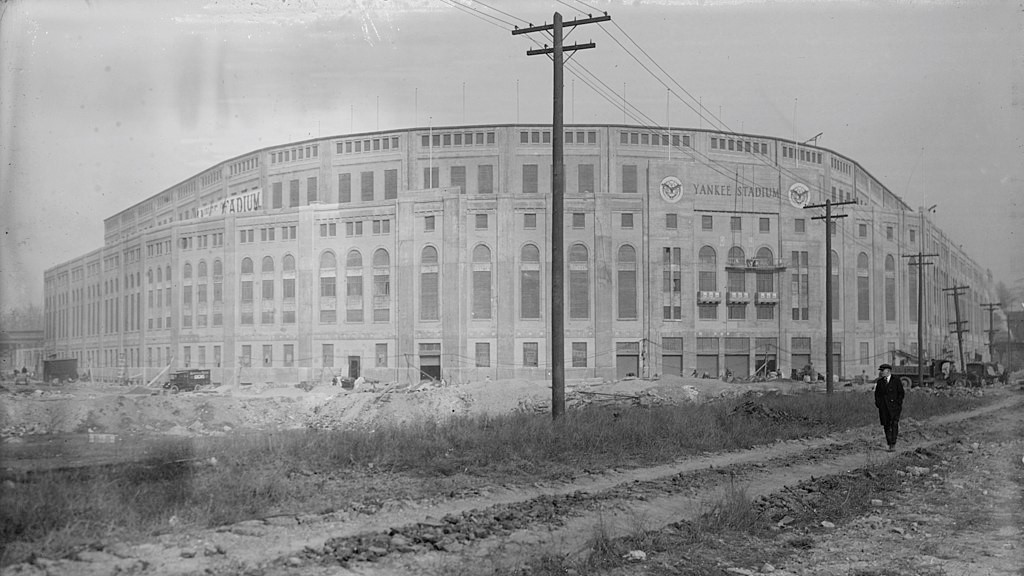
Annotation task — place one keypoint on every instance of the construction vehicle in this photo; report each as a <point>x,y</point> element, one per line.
<point>934,373</point>
<point>187,381</point>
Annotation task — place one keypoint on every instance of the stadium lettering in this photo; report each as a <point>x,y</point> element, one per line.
<point>728,190</point>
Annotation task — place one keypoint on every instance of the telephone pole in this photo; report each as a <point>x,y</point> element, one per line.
<point>828,282</point>
<point>557,193</point>
<point>920,263</point>
<point>991,329</point>
<point>956,291</point>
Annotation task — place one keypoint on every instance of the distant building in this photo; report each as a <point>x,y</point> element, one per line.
<point>21,349</point>
<point>424,253</point>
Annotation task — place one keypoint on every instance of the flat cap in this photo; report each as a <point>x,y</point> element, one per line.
<point>885,367</point>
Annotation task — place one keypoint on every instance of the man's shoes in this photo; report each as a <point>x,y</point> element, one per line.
<point>892,447</point>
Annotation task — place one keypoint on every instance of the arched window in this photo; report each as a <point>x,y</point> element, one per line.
<point>863,288</point>
<point>187,273</point>
<point>246,265</point>
<point>707,281</point>
<point>167,273</point>
<point>354,287</point>
<point>149,276</point>
<point>579,282</point>
<point>765,279</point>
<point>288,265</point>
<point>429,295</point>
<point>529,282</point>
<point>737,279</point>
<point>267,287</point>
<point>328,288</point>
<point>328,261</point>
<point>481,307</point>
<point>890,288</point>
<point>159,274</point>
<point>218,285</point>
<point>201,290</point>
<point>627,282</point>
<point>707,264</point>
<point>381,286</point>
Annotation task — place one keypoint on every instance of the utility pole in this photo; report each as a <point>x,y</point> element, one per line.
<point>956,291</point>
<point>557,193</point>
<point>828,282</point>
<point>920,263</point>
<point>991,329</point>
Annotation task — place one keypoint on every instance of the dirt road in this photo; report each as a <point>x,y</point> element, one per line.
<point>505,527</point>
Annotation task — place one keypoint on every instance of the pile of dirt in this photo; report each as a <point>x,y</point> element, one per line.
<point>94,407</point>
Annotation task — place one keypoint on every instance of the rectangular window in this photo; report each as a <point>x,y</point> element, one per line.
<point>267,290</point>
<point>429,297</point>
<point>579,220</point>
<point>483,354</point>
<point>764,225</point>
<point>530,354</point>
<point>390,184</point>
<point>586,178</point>
<point>671,221</point>
<point>707,222</point>
<point>629,179</point>
<point>530,221</point>
<point>626,220</point>
<point>344,188</point>
<point>327,287</point>
<point>735,223</point>
<point>428,223</point>
<point>276,195</point>
<point>579,354</point>
<point>485,179</point>
<point>913,235</point>
<point>288,288</point>
<point>481,221</point>
<point>865,352</point>
<point>327,353</point>
<point>247,291</point>
<point>293,193</point>
<point>458,178</point>
<point>888,232</point>
<point>380,352</point>
<point>431,178</point>
<point>268,355</point>
<point>530,179</point>
<point>366,186</point>
<point>862,230</point>
<point>312,192</point>
<point>289,355</point>
<point>799,225</point>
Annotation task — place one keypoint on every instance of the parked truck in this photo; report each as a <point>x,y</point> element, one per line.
<point>934,373</point>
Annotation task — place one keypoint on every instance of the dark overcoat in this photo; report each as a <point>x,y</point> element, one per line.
<point>889,400</point>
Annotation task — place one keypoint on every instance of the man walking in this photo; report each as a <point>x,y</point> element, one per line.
<point>889,401</point>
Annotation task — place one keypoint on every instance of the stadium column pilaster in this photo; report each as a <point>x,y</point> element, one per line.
<point>406,225</point>
<point>308,284</point>
<point>453,309</point>
<point>231,353</point>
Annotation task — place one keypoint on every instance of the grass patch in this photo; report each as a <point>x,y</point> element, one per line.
<point>313,471</point>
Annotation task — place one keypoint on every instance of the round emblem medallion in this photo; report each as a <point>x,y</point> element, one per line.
<point>798,194</point>
<point>671,189</point>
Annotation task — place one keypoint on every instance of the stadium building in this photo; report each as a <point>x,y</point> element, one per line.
<point>424,253</point>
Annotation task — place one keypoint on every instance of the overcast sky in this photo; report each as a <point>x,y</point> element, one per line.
<point>104,103</point>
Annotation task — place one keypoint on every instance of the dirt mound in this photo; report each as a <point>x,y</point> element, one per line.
<point>85,407</point>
